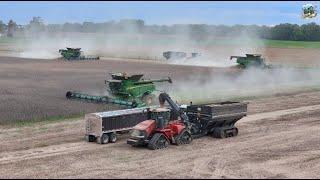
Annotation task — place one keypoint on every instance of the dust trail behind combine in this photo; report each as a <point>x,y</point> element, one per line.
<point>246,83</point>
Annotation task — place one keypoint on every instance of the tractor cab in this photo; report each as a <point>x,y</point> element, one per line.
<point>161,116</point>
<point>158,118</point>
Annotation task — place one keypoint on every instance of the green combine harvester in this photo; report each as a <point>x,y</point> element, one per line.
<point>75,54</point>
<point>130,91</point>
<point>251,60</point>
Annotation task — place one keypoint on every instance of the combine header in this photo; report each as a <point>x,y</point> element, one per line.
<point>130,91</point>
<point>75,54</point>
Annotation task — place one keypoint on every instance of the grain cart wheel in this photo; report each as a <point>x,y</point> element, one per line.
<point>158,141</point>
<point>184,138</point>
<point>113,137</point>
<point>104,139</point>
<point>216,132</point>
<point>148,99</point>
<point>235,131</point>
<point>222,133</point>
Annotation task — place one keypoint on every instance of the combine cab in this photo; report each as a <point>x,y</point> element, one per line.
<point>74,54</point>
<point>131,91</point>
<point>251,60</point>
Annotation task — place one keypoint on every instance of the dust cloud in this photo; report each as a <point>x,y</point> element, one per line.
<point>248,83</point>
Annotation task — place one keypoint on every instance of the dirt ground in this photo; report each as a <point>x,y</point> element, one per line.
<point>274,141</point>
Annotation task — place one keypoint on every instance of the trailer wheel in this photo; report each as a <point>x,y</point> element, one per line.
<point>104,139</point>
<point>158,141</point>
<point>113,137</point>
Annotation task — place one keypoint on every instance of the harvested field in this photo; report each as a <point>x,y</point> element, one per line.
<point>278,139</point>
<point>276,144</point>
<point>32,89</point>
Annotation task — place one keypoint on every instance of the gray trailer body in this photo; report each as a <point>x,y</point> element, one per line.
<point>111,122</point>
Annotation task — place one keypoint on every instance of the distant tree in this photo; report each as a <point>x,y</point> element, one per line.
<point>198,32</point>
<point>36,25</point>
<point>2,27</point>
<point>311,32</point>
<point>12,26</point>
<point>131,25</point>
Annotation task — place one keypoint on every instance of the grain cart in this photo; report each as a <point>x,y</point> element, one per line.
<point>216,119</point>
<point>131,91</point>
<point>251,60</point>
<point>75,54</point>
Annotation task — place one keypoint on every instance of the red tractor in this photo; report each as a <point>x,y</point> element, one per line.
<point>160,130</point>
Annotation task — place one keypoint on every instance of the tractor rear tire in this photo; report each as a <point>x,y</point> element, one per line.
<point>148,99</point>
<point>104,139</point>
<point>113,137</point>
<point>158,141</point>
<point>184,138</point>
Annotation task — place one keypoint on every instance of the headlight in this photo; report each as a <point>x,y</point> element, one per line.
<point>138,134</point>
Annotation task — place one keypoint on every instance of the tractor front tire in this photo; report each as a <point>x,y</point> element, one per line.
<point>158,141</point>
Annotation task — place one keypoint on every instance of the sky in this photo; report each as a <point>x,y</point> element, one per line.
<point>158,12</point>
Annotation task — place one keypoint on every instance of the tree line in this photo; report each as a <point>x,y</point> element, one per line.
<point>199,32</point>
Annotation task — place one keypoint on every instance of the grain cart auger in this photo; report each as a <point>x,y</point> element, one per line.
<point>75,54</point>
<point>251,60</point>
<point>130,91</point>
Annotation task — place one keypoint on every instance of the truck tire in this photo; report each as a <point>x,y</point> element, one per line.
<point>104,139</point>
<point>89,138</point>
<point>158,141</point>
<point>113,137</point>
